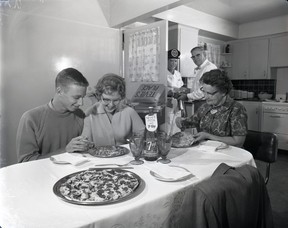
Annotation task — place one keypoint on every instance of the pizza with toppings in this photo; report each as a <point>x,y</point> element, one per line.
<point>182,139</point>
<point>108,151</point>
<point>97,186</point>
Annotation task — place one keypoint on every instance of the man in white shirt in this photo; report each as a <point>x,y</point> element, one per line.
<point>174,86</point>
<point>174,79</point>
<point>203,65</point>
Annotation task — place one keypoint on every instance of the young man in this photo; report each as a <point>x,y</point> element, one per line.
<point>55,127</point>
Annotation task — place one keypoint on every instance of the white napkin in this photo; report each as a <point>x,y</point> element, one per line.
<point>167,171</point>
<point>69,158</point>
<point>210,145</point>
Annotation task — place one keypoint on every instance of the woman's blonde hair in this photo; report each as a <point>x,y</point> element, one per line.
<point>110,83</point>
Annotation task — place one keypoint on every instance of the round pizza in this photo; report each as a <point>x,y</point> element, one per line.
<point>182,139</point>
<point>108,151</point>
<point>97,186</point>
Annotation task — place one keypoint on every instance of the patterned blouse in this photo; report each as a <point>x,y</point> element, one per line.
<point>230,119</point>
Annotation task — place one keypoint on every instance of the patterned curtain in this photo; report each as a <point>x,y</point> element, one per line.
<point>144,55</point>
<point>213,53</point>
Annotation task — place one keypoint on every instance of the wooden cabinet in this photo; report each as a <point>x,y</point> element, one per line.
<point>250,59</point>
<point>278,51</point>
<point>240,60</point>
<point>258,59</point>
<point>253,109</point>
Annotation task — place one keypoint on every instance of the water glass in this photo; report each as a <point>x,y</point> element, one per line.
<point>164,146</point>
<point>136,144</point>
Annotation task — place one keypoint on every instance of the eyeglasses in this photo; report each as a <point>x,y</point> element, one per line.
<point>209,93</point>
<point>108,101</point>
<point>194,56</point>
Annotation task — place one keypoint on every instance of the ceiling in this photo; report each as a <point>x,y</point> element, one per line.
<point>241,11</point>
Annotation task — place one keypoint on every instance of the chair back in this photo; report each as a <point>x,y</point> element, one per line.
<point>231,198</point>
<point>262,145</point>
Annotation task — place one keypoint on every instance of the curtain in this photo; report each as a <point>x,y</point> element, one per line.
<point>144,55</point>
<point>213,53</point>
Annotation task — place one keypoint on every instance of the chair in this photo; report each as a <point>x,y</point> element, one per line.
<point>231,198</point>
<point>264,147</point>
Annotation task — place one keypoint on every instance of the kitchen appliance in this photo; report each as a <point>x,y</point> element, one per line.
<point>150,95</point>
<point>275,119</point>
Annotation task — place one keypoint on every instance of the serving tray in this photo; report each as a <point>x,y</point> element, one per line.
<point>98,186</point>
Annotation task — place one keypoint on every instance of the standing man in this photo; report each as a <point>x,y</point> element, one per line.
<point>55,127</point>
<point>198,55</point>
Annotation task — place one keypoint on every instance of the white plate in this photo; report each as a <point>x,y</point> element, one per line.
<point>59,162</point>
<point>160,178</point>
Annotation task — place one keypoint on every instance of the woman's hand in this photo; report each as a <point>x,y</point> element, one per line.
<point>78,144</point>
<point>200,136</point>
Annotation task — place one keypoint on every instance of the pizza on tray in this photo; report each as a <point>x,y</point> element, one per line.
<point>108,151</point>
<point>182,139</point>
<point>97,186</point>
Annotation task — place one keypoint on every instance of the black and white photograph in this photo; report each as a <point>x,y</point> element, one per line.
<point>144,113</point>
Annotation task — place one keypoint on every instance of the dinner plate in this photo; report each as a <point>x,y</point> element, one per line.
<point>108,151</point>
<point>160,178</point>
<point>83,187</point>
<point>54,160</point>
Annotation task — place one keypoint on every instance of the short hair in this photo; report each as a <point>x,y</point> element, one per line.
<point>201,48</point>
<point>110,83</point>
<point>218,79</point>
<point>70,76</point>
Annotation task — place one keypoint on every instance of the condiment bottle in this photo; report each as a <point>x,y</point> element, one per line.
<point>227,49</point>
<point>150,152</point>
<point>181,107</point>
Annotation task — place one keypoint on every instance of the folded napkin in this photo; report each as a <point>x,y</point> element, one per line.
<point>211,146</point>
<point>168,171</point>
<point>69,158</point>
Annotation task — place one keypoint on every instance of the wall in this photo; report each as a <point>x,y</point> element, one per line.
<point>194,18</point>
<point>264,27</point>
<point>125,12</point>
<point>39,39</point>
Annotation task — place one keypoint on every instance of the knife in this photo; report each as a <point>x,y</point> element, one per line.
<point>124,167</point>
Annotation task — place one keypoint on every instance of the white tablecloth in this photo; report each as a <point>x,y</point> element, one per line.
<point>27,198</point>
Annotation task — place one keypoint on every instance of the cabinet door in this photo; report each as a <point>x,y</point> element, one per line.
<point>240,60</point>
<point>258,61</point>
<point>279,51</point>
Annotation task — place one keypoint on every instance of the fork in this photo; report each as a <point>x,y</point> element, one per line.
<point>112,164</point>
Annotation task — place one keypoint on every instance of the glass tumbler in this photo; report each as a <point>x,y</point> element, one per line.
<point>136,144</point>
<point>164,146</point>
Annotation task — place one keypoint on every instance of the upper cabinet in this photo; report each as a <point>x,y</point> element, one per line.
<point>279,51</point>
<point>258,60</point>
<point>250,59</point>
<point>240,60</point>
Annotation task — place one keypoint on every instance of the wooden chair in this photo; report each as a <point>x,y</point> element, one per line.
<point>264,147</point>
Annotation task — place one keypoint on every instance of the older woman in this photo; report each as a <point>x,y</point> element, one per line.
<point>220,118</point>
<point>110,121</point>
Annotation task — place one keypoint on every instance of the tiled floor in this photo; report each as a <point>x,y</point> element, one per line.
<point>278,189</point>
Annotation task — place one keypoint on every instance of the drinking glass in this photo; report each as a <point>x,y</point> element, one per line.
<point>164,146</point>
<point>136,144</point>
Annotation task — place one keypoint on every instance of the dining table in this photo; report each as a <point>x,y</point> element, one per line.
<point>27,198</point>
